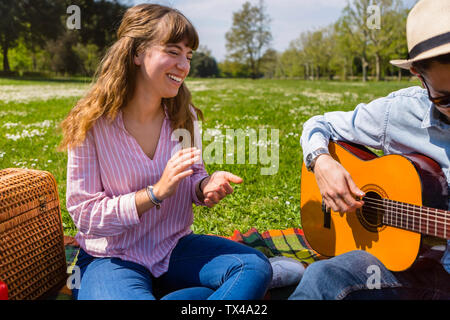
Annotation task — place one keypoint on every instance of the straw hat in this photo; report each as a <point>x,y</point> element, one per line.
<point>427,31</point>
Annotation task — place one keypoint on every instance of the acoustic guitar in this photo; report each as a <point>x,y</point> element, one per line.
<point>406,196</point>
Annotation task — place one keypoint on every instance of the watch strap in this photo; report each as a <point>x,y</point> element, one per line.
<point>311,158</point>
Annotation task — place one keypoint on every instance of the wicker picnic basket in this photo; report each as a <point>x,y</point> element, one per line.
<point>32,256</point>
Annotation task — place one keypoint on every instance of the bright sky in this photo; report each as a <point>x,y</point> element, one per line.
<point>289,18</point>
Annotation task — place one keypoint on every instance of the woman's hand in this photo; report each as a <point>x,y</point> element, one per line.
<point>217,186</point>
<point>177,169</point>
<point>336,185</point>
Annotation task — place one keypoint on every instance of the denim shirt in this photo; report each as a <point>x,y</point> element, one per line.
<point>405,121</point>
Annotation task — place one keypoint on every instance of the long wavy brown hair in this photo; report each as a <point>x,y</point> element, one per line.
<point>114,82</point>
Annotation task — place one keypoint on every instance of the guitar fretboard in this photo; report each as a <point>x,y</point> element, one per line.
<point>425,220</point>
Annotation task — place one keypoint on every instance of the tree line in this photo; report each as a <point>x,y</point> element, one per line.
<point>34,35</point>
<point>35,38</point>
<point>355,46</point>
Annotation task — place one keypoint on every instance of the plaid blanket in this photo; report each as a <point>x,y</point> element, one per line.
<point>289,242</point>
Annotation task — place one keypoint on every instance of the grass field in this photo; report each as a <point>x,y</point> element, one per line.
<point>30,113</point>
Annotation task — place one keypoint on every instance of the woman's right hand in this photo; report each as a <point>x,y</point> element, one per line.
<point>177,169</point>
<point>336,186</point>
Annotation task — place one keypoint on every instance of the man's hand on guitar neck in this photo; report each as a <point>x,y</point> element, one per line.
<point>336,185</point>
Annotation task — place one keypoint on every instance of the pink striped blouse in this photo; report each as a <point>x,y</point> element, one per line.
<point>103,175</point>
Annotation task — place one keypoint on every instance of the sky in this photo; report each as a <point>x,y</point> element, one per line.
<point>289,18</point>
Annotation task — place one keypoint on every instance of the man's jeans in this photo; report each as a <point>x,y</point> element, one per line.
<point>360,275</point>
<point>201,267</point>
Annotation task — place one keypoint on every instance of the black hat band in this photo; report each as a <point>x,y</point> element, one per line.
<point>429,44</point>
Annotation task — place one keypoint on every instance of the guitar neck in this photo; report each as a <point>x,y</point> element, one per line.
<point>424,220</point>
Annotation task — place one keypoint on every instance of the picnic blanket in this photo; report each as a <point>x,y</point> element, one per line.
<point>289,243</point>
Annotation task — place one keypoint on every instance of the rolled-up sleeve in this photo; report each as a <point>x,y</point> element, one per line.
<point>365,125</point>
<point>199,167</point>
<point>197,176</point>
<point>92,210</point>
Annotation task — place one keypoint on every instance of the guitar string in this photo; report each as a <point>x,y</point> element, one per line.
<point>408,213</point>
<point>408,224</point>
<point>393,202</point>
<point>437,213</point>
<point>401,217</point>
<point>398,212</point>
<point>425,226</point>
<point>398,217</point>
<point>404,221</point>
<point>428,217</point>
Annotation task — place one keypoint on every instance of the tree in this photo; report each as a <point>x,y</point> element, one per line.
<point>390,26</point>
<point>354,23</point>
<point>64,58</point>
<point>100,20</point>
<point>89,57</point>
<point>311,54</point>
<point>318,48</point>
<point>42,23</point>
<point>34,20</point>
<point>233,69</point>
<point>292,63</point>
<point>249,36</point>
<point>203,65</point>
<point>346,49</point>
<point>397,47</point>
<point>269,62</point>
<point>11,26</point>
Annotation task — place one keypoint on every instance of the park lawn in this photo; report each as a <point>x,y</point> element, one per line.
<point>29,135</point>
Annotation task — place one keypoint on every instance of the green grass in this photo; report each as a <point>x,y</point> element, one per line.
<point>29,136</point>
<point>38,80</point>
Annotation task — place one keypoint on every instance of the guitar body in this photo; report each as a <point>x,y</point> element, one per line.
<point>394,177</point>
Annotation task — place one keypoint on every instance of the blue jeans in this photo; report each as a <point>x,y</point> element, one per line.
<point>200,267</point>
<point>360,275</point>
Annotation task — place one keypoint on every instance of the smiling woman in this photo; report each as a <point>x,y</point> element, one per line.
<point>130,186</point>
<point>115,81</point>
<point>162,70</point>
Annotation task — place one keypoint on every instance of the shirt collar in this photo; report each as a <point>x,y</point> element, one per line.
<point>432,118</point>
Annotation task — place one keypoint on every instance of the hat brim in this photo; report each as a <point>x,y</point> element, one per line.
<point>438,51</point>
<point>404,64</point>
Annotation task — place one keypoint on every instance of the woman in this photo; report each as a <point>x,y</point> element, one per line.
<point>129,197</point>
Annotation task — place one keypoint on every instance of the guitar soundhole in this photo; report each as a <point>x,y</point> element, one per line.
<point>370,216</point>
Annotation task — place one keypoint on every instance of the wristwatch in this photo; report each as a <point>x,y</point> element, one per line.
<point>311,158</point>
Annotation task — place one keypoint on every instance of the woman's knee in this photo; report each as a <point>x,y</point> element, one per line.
<point>115,279</point>
<point>257,263</point>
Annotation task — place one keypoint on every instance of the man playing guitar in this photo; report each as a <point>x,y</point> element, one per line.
<point>411,120</point>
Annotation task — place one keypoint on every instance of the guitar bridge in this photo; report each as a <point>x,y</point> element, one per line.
<point>326,216</point>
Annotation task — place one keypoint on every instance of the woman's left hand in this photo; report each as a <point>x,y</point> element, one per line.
<point>217,186</point>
